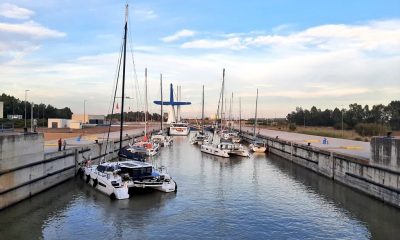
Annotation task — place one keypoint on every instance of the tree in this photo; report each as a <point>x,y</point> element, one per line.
<point>393,114</point>
<point>336,116</point>
<point>354,115</point>
<point>377,114</point>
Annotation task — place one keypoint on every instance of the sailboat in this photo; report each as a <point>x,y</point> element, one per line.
<point>118,179</point>
<point>230,135</point>
<point>257,145</point>
<point>223,148</point>
<point>161,138</point>
<point>151,148</point>
<point>200,136</point>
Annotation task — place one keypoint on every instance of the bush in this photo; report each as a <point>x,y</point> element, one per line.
<point>292,127</point>
<point>338,126</point>
<point>371,129</point>
<point>323,133</point>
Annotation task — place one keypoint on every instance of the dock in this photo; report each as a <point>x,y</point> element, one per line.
<point>372,168</point>
<point>29,165</point>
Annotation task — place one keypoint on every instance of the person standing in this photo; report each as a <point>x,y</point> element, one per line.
<point>59,144</point>
<point>64,144</point>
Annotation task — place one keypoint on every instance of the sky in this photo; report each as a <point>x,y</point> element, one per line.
<point>297,53</point>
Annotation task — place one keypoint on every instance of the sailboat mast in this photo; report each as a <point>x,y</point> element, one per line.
<point>255,117</point>
<point>226,121</point>
<point>240,114</point>
<point>202,113</point>
<point>145,113</point>
<point>161,103</point>
<point>230,113</point>
<point>222,97</point>
<point>179,99</point>
<point>123,79</point>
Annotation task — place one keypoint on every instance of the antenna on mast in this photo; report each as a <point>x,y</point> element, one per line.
<point>126,13</point>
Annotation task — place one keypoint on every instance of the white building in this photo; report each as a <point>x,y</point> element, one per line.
<point>58,123</point>
<point>11,117</point>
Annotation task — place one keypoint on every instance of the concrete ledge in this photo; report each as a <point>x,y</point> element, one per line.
<point>379,180</point>
<point>26,173</point>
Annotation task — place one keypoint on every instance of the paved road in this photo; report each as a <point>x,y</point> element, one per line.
<point>346,146</point>
<point>52,145</point>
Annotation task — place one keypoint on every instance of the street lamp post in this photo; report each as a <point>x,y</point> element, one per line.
<point>342,122</point>
<point>32,117</point>
<point>84,112</point>
<point>26,93</point>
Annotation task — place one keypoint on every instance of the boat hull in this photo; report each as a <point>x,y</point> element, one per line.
<point>241,153</point>
<point>214,151</point>
<point>103,183</point>
<point>258,149</point>
<point>165,186</point>
<point>179,131</point>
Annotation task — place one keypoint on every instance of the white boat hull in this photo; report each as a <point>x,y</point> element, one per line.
<point>235,149</point>
<point>164,186</point>
<point>258,149</point>
<point>214,151</point>
<point>179,131</point>
<point>162,140</point>
<point>241,153</point>
<point>104,183</point>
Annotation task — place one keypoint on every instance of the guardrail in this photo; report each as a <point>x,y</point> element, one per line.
<point>6,127</point>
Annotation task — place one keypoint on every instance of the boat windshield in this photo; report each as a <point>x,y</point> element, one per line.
<point>179,125</point>
<point>137,173</point>
<point>102,168</point>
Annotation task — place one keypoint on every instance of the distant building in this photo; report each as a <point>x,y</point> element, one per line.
<point>89,119</point>
<point>58,123</point>
<point>1,109</point>
<point>11,117</point>
<point>76,122</point>
<point>63,123</point>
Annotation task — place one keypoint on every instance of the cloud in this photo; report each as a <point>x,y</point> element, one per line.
<point>19,39</point>
<point>30,29</point>
<point>316,93</point>
<point>12,11</point>
<point>371,36</point>
<point>179,35</point>
<point>284,82</point>
<point>143,14</point>
<point>234,43</point>
<point>305,68</point>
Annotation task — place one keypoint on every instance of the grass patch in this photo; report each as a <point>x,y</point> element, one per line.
<point>322,133</point>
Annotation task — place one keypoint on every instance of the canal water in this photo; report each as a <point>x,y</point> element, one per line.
<point>261,197</point>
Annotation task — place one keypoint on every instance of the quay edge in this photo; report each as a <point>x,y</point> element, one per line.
<point>26,170</point>
<point>378,176</point>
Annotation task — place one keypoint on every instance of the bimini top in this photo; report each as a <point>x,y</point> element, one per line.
<point>171,99</point>
<point>134,164</point>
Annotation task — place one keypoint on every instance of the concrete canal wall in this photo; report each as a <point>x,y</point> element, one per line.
<point>378,177</point>
<point>26,170</point>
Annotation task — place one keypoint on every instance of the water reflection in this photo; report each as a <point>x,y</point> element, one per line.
<point>382,220</point>
<point>238,198</point>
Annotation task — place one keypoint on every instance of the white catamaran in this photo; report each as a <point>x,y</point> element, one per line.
<point>119,178</point>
